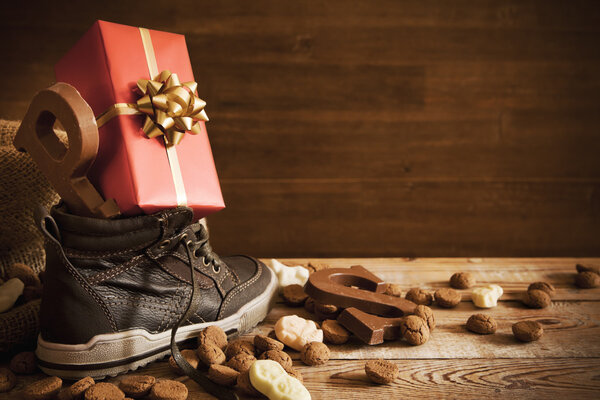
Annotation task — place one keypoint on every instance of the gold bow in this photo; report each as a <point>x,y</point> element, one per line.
<point>172,108</point>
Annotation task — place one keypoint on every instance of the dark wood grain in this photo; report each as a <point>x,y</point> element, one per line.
<point>402,216</point>
<point>346,128</point>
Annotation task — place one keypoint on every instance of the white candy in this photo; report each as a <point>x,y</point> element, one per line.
<point>296,332</point>
<point>9,293</point>
<point>486,296</point>
<point>289,275</point>
<point>269,378</point>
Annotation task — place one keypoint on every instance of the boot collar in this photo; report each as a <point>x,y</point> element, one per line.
<point>119,234</point>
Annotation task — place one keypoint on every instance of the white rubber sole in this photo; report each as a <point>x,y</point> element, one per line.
<point>114,353</point>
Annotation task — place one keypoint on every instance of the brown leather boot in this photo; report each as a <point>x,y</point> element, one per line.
<point>114,289</point>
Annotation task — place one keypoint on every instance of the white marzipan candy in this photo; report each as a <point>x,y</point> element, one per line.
<point>487,296</point>
<point>269,378</point>
<point>9,293</point>
<point>289,275</point>
<point>296,332</point>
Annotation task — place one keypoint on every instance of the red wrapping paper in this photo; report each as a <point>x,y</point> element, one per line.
<point>104,66</point>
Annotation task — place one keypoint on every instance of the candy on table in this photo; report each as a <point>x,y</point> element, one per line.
<point>269,378</point>
<point>296,332</point>
<point>486,296</point>
<point>289,275</point>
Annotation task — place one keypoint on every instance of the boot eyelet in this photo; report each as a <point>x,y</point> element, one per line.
<point>204,262</point>
<point>164,244</point>
<point>216,269</point>
<point>197,253</point>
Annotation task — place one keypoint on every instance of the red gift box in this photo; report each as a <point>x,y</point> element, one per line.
<point>138,172</point>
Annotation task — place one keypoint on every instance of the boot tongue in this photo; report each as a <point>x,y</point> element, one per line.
<point>177,219</point>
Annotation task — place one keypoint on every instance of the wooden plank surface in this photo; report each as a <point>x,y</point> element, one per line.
<point>454,362</point>
<point>552,378</point>
<point>440,128</point>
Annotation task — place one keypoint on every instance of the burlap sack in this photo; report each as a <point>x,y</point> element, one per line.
<point>22,187</point>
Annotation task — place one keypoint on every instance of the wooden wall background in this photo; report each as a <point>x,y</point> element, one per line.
<point>374,128</point>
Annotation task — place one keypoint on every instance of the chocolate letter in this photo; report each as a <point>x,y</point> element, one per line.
<point>369,313</point>
<point>356,287</point>
<point>65,168</point>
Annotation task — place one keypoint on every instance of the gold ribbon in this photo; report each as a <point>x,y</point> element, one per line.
<point>171,108</point>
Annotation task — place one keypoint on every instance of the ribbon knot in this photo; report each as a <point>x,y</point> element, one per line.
<point>171,107</point>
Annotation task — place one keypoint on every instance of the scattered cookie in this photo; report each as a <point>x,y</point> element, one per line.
<point>23,363</point>
<point>241,362</point>
<point>482,324</point>
<point>309,305</point>
<point>43,389</point>
<point>326,311</point>
<point>210,354</point>
<point>244,384</point>
<point>447,298</point>
<point>527,331</point>
<point>279,356</point>
<point>414,329</point>
<point>296,332</point>
<point>394,289</point>
<point>239,346</point>
<point>64,394</point>
<point>314,353</point>
<point>222,375</point>
<point>427,314</point>
<point>588,268</point>
<point>536,299</point>
<point>419,296</point>
<point>462,280</point>
<point>263,343</point>
<point>381,371</point>
<point>545,286</point>
<point>293,372</point>
<point>77,390</point>
<point>166,389</point>
<point>103,391</point>
<point>8,380</point>
<point>190,356</point>
<point>25,273</point>
<point>587,280</point>
<point>486,296</point>
<point>334,332</point>
<point>213,334</point>
<point>269,378</point>
<point>136,386</point>
<point>294,295</point>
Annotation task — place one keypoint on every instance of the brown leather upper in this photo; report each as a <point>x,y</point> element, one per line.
<point>113,275</point>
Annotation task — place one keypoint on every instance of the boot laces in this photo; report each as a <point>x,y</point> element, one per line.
<point>201,248</point>
<point>196,249</point>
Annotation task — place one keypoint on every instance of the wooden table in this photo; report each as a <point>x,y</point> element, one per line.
<point>454,363</point>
